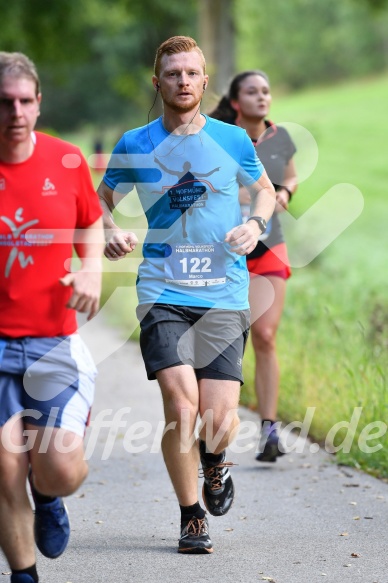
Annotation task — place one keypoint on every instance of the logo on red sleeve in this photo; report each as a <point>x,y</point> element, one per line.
<point>48,188</point>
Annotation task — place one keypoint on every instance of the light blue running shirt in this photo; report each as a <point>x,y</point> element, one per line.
<point>188,187</point>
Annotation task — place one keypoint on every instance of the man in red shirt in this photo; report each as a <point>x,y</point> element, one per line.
<point>47,206</point>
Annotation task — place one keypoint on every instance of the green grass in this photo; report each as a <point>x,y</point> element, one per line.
<point>333,338</point>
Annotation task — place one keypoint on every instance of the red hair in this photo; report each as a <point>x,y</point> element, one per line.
<point>174,45</point>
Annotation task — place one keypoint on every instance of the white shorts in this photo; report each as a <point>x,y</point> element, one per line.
<point>50,380</point>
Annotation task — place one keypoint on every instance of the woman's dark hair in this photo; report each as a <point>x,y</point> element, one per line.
<point>224,111</point>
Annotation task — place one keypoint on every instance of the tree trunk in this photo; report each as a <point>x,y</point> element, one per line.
<point>216,39</point>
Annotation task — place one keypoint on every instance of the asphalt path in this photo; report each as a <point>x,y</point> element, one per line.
<point>302,519</point>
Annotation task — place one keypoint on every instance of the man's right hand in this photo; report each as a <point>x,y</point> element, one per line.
<point>120,244</point>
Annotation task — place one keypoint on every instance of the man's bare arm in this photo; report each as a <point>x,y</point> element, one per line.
<point>118,242</point>
<point>86,282</point>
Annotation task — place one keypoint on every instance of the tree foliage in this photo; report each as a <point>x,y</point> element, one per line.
<point>95,58</point>
<point>47,31</point>
<point>375,5</point>
<point>307,42</point>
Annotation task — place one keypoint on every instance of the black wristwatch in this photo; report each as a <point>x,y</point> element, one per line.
<point>260,221</point>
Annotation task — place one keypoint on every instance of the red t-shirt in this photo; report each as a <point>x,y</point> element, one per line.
<point>49,191</point>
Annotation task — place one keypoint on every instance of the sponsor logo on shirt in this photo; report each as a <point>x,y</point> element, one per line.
<point>2,183</point>
<point>16,240</point>
<point>48,188</point>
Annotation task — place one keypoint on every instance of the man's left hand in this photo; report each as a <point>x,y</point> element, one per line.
<point>243,239</point>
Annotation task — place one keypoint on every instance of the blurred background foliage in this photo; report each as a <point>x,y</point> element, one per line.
<point>308,42</point>
<point>95,58</point>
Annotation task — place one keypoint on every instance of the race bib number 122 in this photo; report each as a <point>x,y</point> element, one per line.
<point>196,265</point>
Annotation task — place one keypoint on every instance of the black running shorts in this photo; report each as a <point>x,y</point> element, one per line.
<point>210,340</point>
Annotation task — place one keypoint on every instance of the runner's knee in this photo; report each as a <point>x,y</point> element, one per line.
<point>181,410</point>
<point>263,338</point>
<point>60,479</point>
<point>219,425</point>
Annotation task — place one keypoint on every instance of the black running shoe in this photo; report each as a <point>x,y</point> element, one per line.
<point>218,489</point>
<point>195,539</point>
<point>270,446</point>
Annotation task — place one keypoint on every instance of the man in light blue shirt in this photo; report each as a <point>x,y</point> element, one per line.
<point>193,282</point>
